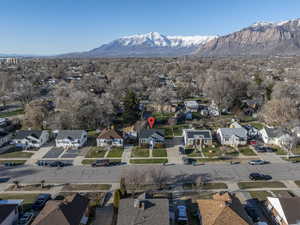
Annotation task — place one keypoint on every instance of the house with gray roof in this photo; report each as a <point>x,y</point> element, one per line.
<point>232,136</point>
<point>284,211</point>
<point>30,138</point>
<point>5,137</point>
<point>197,137</point>
<point>273,136</point>
<point>152,137</point>
<point>71,138</point>
<point>143,212</point>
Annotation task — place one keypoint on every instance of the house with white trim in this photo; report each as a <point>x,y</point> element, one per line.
<point>30,138</point>
<point>194,137</point>
<point>71,138</point>
<point>232,136</point>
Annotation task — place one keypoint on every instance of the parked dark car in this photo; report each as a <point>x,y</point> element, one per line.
<point>42,163</point>
<point>269,149</point>
<point>26,218</point>
<point>260,149</point>
<point>10,164</point>
<point>259,176</point>
<point>57,164</point>
<point>41,201</point>
<point>188,161</point>
<point>101,162</point>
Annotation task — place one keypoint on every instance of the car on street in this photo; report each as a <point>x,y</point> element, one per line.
<point>257,162</point>
<point>269,149</point>
<point>26,218</point>
<point>259,176</point>
<point>189,161</point>
<point>40,201</point>
<point>57,164</point>
<point>101,162</point>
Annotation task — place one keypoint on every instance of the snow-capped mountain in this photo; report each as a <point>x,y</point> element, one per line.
<point>261,38</point>
<point>152,44</point>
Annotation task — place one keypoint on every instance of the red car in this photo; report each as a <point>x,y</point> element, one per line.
<point>253,142</point>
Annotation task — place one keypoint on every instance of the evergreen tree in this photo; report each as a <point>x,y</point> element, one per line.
<point>131,107</point>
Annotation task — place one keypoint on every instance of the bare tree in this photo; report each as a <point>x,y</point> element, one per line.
<point>134,178</point>
<point>288,143</point>
<point>159,176</point>
<point>278,112</point>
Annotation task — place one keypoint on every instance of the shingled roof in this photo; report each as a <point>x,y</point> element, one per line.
<point>6,210</point>
<point>223,209</point>
<point>154,212</point>
<point>67,212</point>
<point>109,134</point>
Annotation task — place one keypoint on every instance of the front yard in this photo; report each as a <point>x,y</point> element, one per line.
<point>159,153</point>
<point>260,195</point>
<point>95,152</point>
<point>148,161</point>
<point>261,184</point>
<point>115,153</point>
<point>86,187</point>
<point>247,151</point>
<point>16,153</point>
<point>208,186</point>
<point>139,152</point>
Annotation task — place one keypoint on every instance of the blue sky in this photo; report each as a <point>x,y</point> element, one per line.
<point>59,26</point>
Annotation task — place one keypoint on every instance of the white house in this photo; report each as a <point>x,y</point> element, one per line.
<point>9,211</point>
<point>31,138</point>
<point>152,137</point>
<point>109,137</point>
<point>273,136</point>
<point>71,138</point>
<point>197,137</point>
<point>285,211</point>
<point>191,106</point>
<point>5,138</point>
<point>232,136</point>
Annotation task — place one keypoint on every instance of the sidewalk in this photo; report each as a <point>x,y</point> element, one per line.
<point>38,155</point>
<point>126,154</point>
<point>174,156</point>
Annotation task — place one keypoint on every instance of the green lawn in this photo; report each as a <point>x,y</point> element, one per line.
<point>292,159</point>
<point>261,184</point>
<point>175,130</point>
<point>13,113</point>
<point>92,133</point>
<point>257,125</point>
<point>260,195</point>
<point>159,153</point>
<point>283,193</point>
<point>18,162</point>
<point>96,152</point>
<point>140,152</point>
<point>296,150</point>
<point>90,161</point>
<point>16,154</point>
<point>28,199</point>
<point>212,152</point>
<point>247,151</point>
<point>148,161</point>
<point>298,183</point>
<point>115,153</point>
<point>279,151</point>
<point>208,186</point>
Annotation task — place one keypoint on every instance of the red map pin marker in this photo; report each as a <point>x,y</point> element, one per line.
<point>151,121</point>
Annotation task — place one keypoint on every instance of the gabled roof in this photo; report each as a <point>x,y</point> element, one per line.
<point>275,132</point>
<point>21,134</point>
<point>192,133</point>
<point>109,134</point>
<point>146,133</point>
<point>288,208</point>
<point>67,212</point>
<point>6,210</point>
<point>156,212</point>
<point>223,209</point>
<point>239,132</point>
<point>69,134</point>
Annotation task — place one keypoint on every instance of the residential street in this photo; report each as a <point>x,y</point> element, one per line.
<point>84,174</point>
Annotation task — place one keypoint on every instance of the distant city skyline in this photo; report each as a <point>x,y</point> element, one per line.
<point>44,27</point>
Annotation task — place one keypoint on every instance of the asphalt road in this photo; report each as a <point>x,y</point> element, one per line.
<point>82,174</point>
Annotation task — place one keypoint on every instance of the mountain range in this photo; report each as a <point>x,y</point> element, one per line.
<point>152,44</point>
<point>261,38</point>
